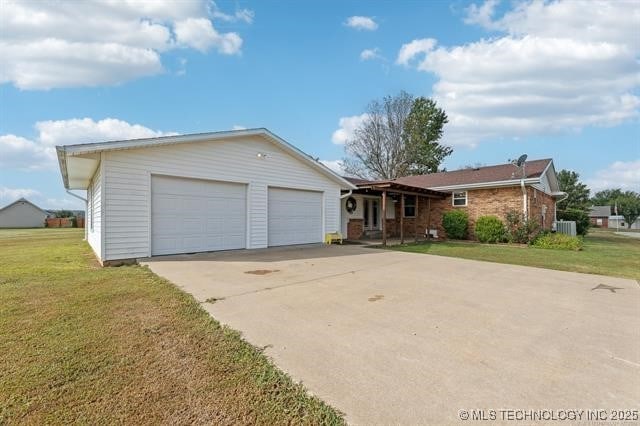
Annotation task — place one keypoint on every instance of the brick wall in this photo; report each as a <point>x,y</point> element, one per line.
<point>355,228</point>
<point>480,202</point>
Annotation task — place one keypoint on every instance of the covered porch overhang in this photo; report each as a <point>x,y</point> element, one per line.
<point>386,189</point>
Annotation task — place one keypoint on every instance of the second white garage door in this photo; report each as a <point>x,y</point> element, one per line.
<point>190,215</point>
<point>295,217</point>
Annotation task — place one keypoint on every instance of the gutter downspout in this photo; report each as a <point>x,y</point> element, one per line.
<point>555,209</point>
<point>524,200</point>
<point>86,210</point>
<point>343,196</point>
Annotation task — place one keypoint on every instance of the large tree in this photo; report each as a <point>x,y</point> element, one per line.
<point>606,197</point>
<point>422,130</point>
<point>577,192</point>
<point>628,206</point>
<point>397,138</point>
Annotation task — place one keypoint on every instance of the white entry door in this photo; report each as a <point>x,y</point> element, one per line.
<point>295,217</point>
<point>192,215</point>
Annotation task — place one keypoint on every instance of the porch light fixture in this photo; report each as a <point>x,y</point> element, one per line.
<point>262,155</point>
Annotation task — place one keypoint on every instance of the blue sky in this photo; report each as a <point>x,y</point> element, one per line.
<point>550,79</point>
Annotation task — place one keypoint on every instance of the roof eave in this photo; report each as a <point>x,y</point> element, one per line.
<point>480,185</point>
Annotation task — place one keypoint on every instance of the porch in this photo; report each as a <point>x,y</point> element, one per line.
<point>387,211</point>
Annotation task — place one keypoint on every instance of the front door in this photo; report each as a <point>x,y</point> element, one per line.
<point>371,212</point>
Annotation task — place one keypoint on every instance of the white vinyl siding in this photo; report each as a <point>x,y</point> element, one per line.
<point>192,215</point>
<point>128,186</point>
<point>295,217</point>
<point>94,213</point>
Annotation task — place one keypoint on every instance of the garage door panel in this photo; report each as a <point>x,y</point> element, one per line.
<point>294,217</point>
<point>191,215</point>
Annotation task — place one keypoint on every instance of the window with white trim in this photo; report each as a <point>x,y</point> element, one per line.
<point>459,199</point>
<point>409,206</point>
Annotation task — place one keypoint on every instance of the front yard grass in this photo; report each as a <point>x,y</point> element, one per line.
<point>85,344</point>
<point>604,253</point>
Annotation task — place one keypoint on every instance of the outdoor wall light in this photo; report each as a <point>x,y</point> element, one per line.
<point>262,155</point>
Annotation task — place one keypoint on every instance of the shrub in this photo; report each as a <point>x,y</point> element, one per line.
<point>455,223</point>
<point>520,230</point>
<point>490,229</point>
<point>558,241</point>
<point>580,217</point>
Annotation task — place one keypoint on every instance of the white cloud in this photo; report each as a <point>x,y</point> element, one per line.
<point>49,45</point>
<point>482,15</point>
<point>9,195</point>
<point>370,54</point>
<point>361,23</point>
<point>243,15</point>
<point>200,34</point>
<point>620,174</point>
<point>335,165</point>
<point>20,153</point>
<point>238,127</point>
<point>347,127</point>
<point>559,66</point>
<point>414,48</point>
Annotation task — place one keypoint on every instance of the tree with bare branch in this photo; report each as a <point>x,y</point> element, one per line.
<point>398,137</point>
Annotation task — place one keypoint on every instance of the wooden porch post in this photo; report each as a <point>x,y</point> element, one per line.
<point>401,218</point>
<point>384,217</point>
<point>428,218</point>
<point>415,219</point>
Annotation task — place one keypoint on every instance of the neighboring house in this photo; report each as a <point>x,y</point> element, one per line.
<point>22,213</point>
<point>618,222</point>
<point>201,192</point>
<point>413,204</point>
<point>599,215</point>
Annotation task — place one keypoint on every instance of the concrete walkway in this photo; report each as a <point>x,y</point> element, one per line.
<point>399,338</point>
<point>629,234</point>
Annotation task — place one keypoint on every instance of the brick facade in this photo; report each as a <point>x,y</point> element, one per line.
<point>480,202</point>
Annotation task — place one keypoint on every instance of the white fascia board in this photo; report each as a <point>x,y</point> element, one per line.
<point>495,184</point>
<point>80,149</point>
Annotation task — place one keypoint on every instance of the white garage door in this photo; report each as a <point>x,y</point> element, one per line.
<point>190,215</point>
<point>295,217</point>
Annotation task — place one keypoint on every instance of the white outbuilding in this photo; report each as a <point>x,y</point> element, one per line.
<point>241,189</point>
<point>22,213</point>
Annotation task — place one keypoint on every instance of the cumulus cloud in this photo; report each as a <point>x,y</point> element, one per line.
<point>347,127</point>
<point>20,153</point>
<point>557,66</point>
<point>48,45</point>
<point>9,195</point>
<point>365,23</point>
<point>620,174</point>
<point>370,54</point>
<point>335,165</point>
<point>414,48</point>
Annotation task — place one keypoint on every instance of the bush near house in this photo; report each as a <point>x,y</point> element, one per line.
<point>490,229</point>
<point>456,224</point>
<point>580,217</point>
<point>558,241</point>
<point>520,230</point>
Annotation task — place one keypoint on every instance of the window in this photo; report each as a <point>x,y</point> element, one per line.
<point>460,198</point>
<point>409,206</point>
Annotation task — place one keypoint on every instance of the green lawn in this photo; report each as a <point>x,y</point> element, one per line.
<point>80,343</point>
<point>604,253</point>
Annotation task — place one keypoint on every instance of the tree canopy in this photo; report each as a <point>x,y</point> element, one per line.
<point>577,192</point>
<point>606,197</point>
<point>628,205</point>
<point>398,137</point>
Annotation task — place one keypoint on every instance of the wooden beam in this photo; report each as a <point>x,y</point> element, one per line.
<point>402,219</point>
<point>415,221</point>
<point>384,218</point>
<point>428,218</point>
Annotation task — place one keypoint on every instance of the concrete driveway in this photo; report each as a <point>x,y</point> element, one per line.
<point>400,338</point>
